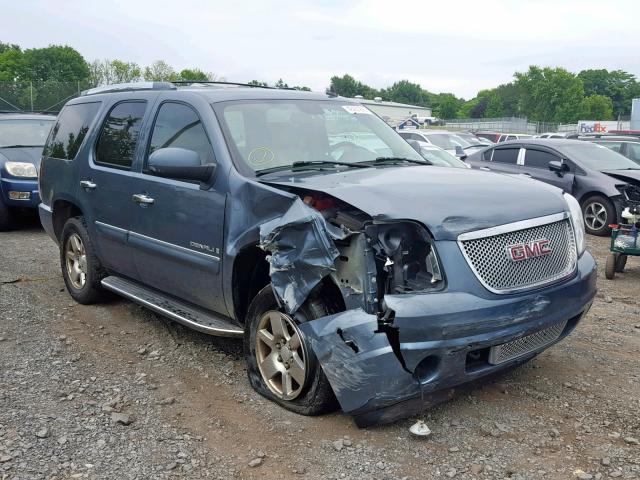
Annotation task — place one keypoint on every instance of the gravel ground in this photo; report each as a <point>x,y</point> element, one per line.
<point>115,391</point>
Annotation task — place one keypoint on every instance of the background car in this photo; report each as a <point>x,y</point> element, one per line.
<point>449,141</point>
<point>551,135</point>
<point>440,157</point>
<point>599,178</point>
<point>22,137</point>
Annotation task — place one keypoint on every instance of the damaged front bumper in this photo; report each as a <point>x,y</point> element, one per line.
<point>437,343</point>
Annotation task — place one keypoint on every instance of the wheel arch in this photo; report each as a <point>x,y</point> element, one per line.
<point>63,210</point>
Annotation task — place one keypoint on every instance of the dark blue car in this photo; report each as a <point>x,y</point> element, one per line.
<point>357,273</point>
<point>22,137</point>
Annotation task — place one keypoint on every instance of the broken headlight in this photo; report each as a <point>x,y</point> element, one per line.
<point>405,258</point>
<point>577,221</point>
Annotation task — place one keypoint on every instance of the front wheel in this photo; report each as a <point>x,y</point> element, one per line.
<point>599,213</point>
<point>280,363</point>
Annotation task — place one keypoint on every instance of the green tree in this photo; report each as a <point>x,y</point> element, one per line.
<point>347,86</point>
<point>257,83</point>
<point>53,63</point>
<point>549,94</point>
<point>106,72</point>
<point>596,107</point>
<point>196,74</point>
<point>448,106</point>
<point>405,91</point>
<point>494,108</point>
<point>8,46</point>
<point>620,86</point>
<point>160,71</point>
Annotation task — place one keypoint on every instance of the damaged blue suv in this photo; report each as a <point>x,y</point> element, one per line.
<point>357,273</point>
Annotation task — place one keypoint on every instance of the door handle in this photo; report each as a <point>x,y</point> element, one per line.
<point>486,169</point>
<point>142,199</point>
<point>88,185</point>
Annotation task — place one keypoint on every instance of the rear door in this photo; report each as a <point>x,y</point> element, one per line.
<point>178,237</point>
<point>107,183</point>
<point>536,165</point>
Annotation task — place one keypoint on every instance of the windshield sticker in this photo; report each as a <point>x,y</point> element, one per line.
<point>260,157</point>
<point>357,109</point>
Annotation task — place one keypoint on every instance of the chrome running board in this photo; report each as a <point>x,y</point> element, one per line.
<point>187,315</point>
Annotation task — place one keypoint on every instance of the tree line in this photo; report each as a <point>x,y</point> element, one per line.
<point>542,94</point>
<point>51,74</point>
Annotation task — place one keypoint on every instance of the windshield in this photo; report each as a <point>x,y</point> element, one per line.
<point>264,134</point>
<point>28,133</point>
<point>441,158</point>
<point>598,157</point>
<point>470,138</point>
<point>448,141</point>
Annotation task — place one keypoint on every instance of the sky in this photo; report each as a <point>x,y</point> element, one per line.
<point>445,46</point>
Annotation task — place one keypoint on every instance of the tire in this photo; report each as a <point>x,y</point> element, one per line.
<point>85,288</point>
<point>7,217</point>
<point>621,262</point>
<point>599,213</point>
<point>610,268</point>
<point>315,396</point>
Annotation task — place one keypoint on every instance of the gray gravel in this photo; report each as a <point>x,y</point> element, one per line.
<point>113,391</point>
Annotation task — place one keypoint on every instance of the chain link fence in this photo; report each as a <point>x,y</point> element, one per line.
<point>47,96</point>
<point>508,125</point>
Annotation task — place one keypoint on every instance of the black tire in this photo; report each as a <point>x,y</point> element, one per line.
<point>316,396</point>
<point>610,268</point>
<point>91,291</point>
<point>621,262</point>
<point>7,217</point>
<point>594,202</point>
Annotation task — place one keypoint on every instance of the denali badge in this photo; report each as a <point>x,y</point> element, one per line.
<point>525,251</point>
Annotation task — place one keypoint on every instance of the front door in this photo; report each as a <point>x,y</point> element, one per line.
<point>536,165</point>
<point>503,160</point>
<point>178,233</point>
<point>107,183</point>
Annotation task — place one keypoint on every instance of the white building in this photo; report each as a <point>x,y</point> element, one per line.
<point>393,112</point>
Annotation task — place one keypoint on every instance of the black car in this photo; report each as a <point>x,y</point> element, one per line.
<point>600,179</point>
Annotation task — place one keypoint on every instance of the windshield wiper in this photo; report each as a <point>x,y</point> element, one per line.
<point>393,160</point>
<point>21,146</point>
<point>306,165</point>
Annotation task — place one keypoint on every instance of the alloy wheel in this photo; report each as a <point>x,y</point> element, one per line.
<point>281,355</point>
<point>595,216</point>
<point>75,257</point>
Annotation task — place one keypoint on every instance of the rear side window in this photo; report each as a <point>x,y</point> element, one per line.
<point>506,155</point>
<point>615,146</point>
<point>178,126</point>
<point>538,159</point>
<point>70,129</point>
<point>633,151</point>
<point>116,146</point>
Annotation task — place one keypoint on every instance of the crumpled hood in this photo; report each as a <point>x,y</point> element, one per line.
<point>448,201</point>
<point>29,155</point>
<point>629,176</point>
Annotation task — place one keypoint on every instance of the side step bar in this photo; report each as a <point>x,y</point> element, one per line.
<point>189,316</point>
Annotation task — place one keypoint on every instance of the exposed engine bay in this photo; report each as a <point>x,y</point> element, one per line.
<point>369,258</point>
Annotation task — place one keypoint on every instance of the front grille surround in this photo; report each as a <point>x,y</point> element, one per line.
<point>486,254</point>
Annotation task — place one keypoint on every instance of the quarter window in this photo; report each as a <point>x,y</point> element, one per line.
<point>178,126</point>
<point>119,136</point>
<point>538,159</point>
<point>506,155</point>
<point>70,129</point>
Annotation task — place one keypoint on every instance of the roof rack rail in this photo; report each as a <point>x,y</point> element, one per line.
<point>131,86</point>
<point>215,82</point>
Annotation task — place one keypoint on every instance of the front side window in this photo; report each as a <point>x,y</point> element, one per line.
<point>263,134</point>
<point>118,139</point>
<point>178,126</point>
<point>16,133</point>
<point>538,159</point>
<point>70,129</point>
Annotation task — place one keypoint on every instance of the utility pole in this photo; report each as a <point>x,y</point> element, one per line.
<point>31,94</point>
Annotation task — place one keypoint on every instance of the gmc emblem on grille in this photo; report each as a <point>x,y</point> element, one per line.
<point>525,251</point>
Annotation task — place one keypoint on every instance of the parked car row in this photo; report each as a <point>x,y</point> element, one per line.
<point>358,272</point>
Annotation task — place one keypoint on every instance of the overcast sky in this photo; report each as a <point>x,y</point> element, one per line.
<point>446,46</point>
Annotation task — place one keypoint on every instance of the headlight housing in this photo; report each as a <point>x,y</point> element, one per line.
<point>21,169</point>
<point>577,221</point>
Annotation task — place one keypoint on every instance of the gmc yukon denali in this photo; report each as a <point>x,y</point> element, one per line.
<point>357,274</point>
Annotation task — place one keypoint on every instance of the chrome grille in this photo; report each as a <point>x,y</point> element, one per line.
<point>517,348</point>
<point>489,259</point>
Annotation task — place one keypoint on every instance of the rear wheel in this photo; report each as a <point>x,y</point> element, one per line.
<point>7,217</point>
<point>81,269</point>
<point>280,364</point>
<point>610,268</point>
<point>621,262</point>
<point>599,213</point>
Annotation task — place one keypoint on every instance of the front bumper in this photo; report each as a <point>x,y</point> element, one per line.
<point>437,344</point>
<point>13,187</point>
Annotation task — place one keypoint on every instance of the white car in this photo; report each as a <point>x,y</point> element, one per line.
<point>449,141</point>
